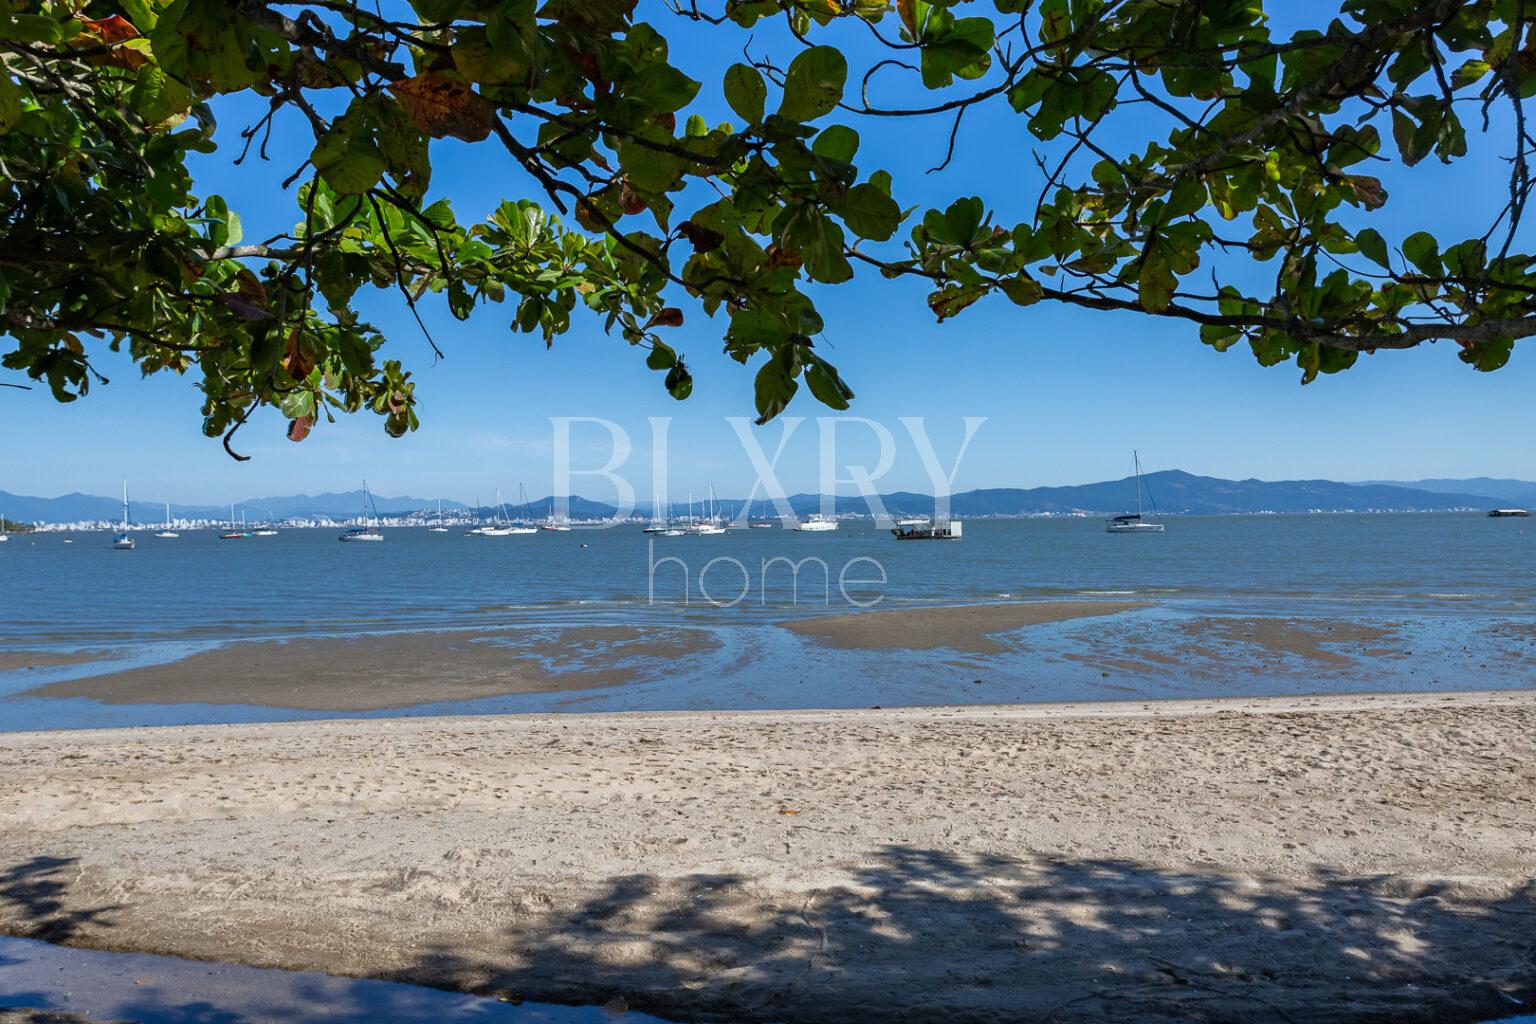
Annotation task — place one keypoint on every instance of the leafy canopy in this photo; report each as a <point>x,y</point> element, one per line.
<point>1261,153</point>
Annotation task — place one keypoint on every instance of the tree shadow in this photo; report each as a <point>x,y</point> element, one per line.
<point>923,935</point>
<point>917,935</point>
<point>35,890</point>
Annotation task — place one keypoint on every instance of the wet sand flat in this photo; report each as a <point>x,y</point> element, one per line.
<point>18,661</point>
<point>395,671</point>
<point>970,628</point>
<point>1282,860</point>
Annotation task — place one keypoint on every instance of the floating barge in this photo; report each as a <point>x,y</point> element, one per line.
<point>927,529</point>
<point>1508,513</point>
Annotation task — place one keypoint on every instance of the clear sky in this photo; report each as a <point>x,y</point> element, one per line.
<point>1067,394</point>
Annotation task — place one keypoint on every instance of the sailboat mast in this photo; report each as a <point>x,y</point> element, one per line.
<point>1137,457</point>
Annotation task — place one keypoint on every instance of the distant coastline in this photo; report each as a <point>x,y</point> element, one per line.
<point>1174,492</point>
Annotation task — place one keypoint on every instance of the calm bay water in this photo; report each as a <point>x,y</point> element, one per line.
<point>1445,580</point>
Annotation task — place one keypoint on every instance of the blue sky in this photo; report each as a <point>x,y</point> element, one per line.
<point>1066,393</point>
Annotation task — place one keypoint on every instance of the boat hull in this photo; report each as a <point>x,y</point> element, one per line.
<point>1113,527</point>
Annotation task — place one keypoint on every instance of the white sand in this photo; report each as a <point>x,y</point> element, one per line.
<point>1318,859</point>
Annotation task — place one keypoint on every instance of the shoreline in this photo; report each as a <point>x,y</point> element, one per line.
<point>1324,858</point>
<point>1112,708</point>
<point>996,653</point>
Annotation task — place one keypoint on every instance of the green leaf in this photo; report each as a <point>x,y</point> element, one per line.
<point>30,28</point>
<point>814,84</point>
<point>679,382</point>
<point>746,92</point>
<point>825,384</point>
<point>775,386</point>
<point>10,103</point>
<point>1423,251</point>
<point>1022,289</point>
<point>870,213</point>
<point>346,156</point>
<point>1373,247</point>
<point>661,358</point>
<point>837,142</point>
<point>1155,282</point>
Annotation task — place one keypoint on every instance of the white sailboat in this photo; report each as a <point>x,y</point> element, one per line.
<point>266,529</point>
<point>437,525</point>
<point>366,532</point>
<point>3,535</point>
<point>167,533</point>
<point>122,540</point>
<point>710,525</point>
<point>503,528</point>
<point>1132,522</point>
<point>659,517</point>
<point>523,526</point>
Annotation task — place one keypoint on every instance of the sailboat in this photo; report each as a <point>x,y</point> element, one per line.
<point>437,526</point>
<point>234,532</point>
<point>266,529</point>
<point>122,540</point>
<point>710,526</point>
<point>658,517</point>
<point>3,535</point>
<point>366,532</point>
<point>1132,522</point>
<point>553,524</point>
<point>502,527</point>
<point>522,527</point>
<point>167,533</point>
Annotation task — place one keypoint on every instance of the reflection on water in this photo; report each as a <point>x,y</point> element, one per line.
<point>302,581</point>
<point>1456,592</point>
<point>142,989</point>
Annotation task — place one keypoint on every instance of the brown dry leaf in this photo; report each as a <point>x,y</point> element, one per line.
<point>297,360</point>
<point>110,31</point>
<point>671,316</point>
<point>443,107</point>
<point>249,287</point>
<point>788,810</point>
<point>298,429</point>
<point>704,239</point>
<point>630,201</point>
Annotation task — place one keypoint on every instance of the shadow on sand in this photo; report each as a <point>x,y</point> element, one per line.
<point>917,935</point>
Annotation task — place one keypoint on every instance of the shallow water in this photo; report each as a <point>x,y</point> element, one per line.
<point>144,989</point>
<point>1456,591</point>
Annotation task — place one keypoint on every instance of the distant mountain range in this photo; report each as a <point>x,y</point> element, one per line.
<point>70,508</point>
<point>1171,491</point>
<point>1514,492</point>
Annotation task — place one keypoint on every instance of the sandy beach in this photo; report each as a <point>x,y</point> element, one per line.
<point>1287,859</point>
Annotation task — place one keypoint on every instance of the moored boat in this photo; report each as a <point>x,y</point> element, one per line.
<point>122,540</point>
<point>366,532</point>
<point>1132,522</point>
<point>816,524</point>
<point>166,533</point>
<point>928,529</point>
